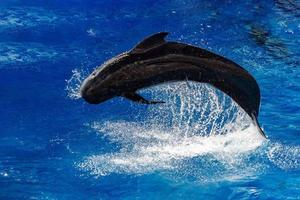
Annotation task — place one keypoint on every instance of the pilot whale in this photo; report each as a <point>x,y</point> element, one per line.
<point>155,61</point>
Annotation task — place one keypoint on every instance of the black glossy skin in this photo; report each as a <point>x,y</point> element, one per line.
<point>171,61</point>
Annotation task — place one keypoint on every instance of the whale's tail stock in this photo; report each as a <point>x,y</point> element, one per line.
<point>255,121</point>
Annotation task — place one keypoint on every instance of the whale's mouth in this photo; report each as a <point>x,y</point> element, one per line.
<point>197,124</point>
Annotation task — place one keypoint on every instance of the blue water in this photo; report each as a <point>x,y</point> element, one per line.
<point>199,145</point>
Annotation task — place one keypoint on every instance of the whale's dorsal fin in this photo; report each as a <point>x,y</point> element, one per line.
<point>150,42</point>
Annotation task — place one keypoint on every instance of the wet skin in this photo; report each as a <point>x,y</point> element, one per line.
<point>155,61</point>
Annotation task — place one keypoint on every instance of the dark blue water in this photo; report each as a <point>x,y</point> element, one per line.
<point>199,145</point>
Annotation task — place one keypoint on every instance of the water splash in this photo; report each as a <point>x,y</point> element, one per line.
<point>74,83</point>
<point>195,109</point>
<point>196,124</point>
<point>284,157</point>
<point>146,150</point>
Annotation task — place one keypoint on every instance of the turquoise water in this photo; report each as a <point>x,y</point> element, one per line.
<point>199,145</point>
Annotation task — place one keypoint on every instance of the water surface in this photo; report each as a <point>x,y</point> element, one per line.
<point>198,145</point>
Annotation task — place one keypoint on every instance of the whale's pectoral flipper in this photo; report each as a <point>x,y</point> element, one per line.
<point>138,98</point>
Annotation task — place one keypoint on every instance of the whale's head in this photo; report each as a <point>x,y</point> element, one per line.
<point>96,88</point>
<point>101,85</point>
<point>94,91</point>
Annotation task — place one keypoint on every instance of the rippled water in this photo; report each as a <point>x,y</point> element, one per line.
<point>197,145</point>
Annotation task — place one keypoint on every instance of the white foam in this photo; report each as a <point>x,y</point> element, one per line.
<point>195,123</point>
<point>147,150</point>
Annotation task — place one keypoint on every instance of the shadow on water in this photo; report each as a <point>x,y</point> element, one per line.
<point>290,7</point>
<point>263,37</point>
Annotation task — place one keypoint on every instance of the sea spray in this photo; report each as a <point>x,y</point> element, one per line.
<point>74,83</point>
<point>196,122</point>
